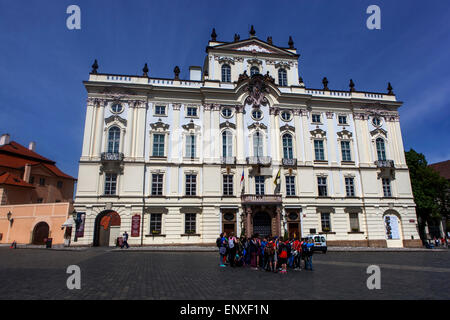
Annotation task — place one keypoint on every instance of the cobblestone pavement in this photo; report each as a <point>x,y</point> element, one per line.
<point>106,274</point>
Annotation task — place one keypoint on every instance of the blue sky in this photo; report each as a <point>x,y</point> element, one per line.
<point>43,64</point>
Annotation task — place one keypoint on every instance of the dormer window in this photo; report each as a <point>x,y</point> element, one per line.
<point>226,73</point>
<point>253,71</point>
<point>282,78</point>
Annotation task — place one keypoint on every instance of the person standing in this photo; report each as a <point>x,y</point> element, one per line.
<point>309,254</point>
<point>231,249</point>
<point>125,240</point>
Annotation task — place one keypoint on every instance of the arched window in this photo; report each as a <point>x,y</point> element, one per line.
<point>287,146</point>
<point>226,73</point>
<point>227,144</point>
<point>254,70</point>
<point>381,150</point>
<point>282,77</point>
<point>258,150</point>
<point>113,140</point>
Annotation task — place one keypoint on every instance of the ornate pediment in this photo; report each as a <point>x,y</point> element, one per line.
<point>191,126</point>
<point>257,89</point>
<point>378,131</point>
<point>255,45</point>
<point>159,125</point>
<point>253,48</point>
<point>345,134</point>
<point>227,124</point>
<point>318,133</point>
<point>287,127</point>
<point>115,118</point>
<point>257,125</point>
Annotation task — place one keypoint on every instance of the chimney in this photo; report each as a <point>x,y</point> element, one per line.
<point>27,173</point>
<point>195,73</point>
<point>32,146</point>
<point>4,139</point>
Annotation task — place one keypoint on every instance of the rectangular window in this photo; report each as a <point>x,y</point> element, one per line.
<point>59,184</point>
<point>345,148</point>
<point>349,187</point>
<point>319,150</point>
<point>387,187</point>
<point>110,183</point>
<point>354,222</point>
<point>155,223</point>
<point>190,146</point>
<point>322,184</point>
<point>342,119</point>
<point>326,222</point>
<point>259,185</point>
<point>160,110</point>
<point>40,200</point>
<point>42,181</point>
<point>290,186</point>
<point>189,223</point>
<point>227,185</point>
<point>158,145</point>
<point>157,184</point>
<point>316,118</point>
<point>191,184</point>
<point>191,111</point>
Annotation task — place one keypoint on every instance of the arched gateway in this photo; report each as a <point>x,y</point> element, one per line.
<point>107,228</point>
<point>40,233</point>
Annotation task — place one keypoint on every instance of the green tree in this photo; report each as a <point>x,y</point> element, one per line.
<point>430,190</point>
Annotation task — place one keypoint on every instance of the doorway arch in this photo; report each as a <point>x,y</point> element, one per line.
<point>262,224</point>
<point>393,229</point>
<point>104,222</point>
<point>40,233</point>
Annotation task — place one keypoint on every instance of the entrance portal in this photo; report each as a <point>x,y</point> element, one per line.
<point>107,226</point>
<point>40,232</point>
<point>262,224</point>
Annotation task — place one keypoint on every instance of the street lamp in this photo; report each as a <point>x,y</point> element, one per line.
<point>8,216</point>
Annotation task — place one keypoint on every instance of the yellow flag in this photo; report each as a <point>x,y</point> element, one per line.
<point>277,177</point>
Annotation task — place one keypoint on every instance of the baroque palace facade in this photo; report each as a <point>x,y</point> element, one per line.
<point>243,147</point>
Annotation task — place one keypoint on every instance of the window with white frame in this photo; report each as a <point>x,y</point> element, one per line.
<point>350,186</point>
<point>288,152</point>
<point>226,73</point>
<point>290,185</point>
<point>381,149</point>
<point>258,146</point>
<point>227,185</point>
<point>322,186</point>
<point>342,119</point>
<point>190,223</point>
<point>155,223</point>
<point>157,184</point>
<point>110,183</point>
<point>319,150</point>
<point>113,140</point>
<point>158,145</point>
<point>316,118</point>
<point>191,111</point>
<point>160,110</point>
<point>191,184</point>
<point>227,144</point>
<point>345,150</point>
<point>259,185</point>
<point>190,146</point>
<point>325,221</point>
<point>282,78</point>
<point>387,192</point>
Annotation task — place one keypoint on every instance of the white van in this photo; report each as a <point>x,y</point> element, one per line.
<point>320,242</point>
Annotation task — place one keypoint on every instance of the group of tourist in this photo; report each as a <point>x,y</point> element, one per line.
<point>437,243</point>
<point>271,254</point>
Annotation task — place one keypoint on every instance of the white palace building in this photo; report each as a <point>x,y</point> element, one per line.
<point>243,146</point>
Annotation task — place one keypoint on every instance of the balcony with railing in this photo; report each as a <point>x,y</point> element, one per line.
<point>112,156</point>
<point>228,160</point>
<point>259,160</point>
<point>384,163</point>
<point>289,162</point>
<point>261,198</point>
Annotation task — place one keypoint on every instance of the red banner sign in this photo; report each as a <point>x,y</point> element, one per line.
<point>135,225</point>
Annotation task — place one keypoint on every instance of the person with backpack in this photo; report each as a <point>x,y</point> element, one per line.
<point>282,256</point>
<point>297,246</point>
<point>220,242</point>
<point>270,252</point>
<point>309,253</point>
<point>253,248</point>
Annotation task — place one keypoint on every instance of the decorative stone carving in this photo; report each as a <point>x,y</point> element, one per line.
<point>378,131</point>
<point>287,127</point>
<point>176,106</point>
<point>257,125</point>
<point>257,90</point>
<point>115,118</point>
<point>345,134</point>
<point>227,124</point>
<point>318,133</point>
<point>329,115</point>
<point>159,125</point>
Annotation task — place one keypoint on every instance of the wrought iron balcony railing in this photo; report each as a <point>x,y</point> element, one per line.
<point>289,162</point>
<point>261,198</point>
<point>112,156</point>
<point>384,163</point>
<point>228,160</point>
<point>259,160</point>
